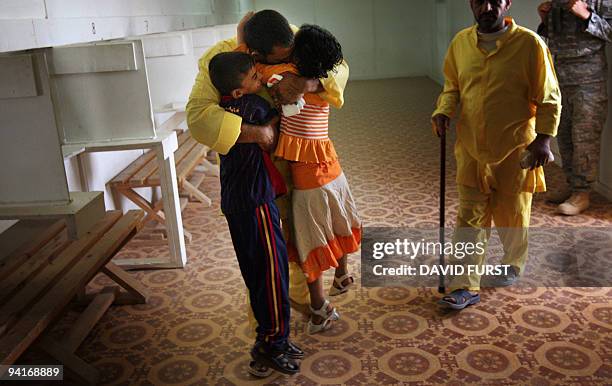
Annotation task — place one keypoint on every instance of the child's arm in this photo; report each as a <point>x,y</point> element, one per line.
<point>258,124</point>
<point>240,27</point>
<point>284,70</point>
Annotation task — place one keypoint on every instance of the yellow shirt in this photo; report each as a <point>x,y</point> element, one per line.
<point>507,96</point>
<point>218,129</point>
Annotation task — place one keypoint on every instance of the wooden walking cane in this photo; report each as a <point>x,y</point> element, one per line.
<point>441,286</point>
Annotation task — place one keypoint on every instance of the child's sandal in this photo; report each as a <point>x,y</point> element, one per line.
<point>337,288</point>
<point>328,317</point>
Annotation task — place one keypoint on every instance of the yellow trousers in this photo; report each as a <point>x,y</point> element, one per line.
<point>493,193</point>
<point>298,287</point>
<point>510,213</point>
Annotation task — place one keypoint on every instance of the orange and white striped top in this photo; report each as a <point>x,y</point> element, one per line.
<point>303,137</point>
<point>311,123</point>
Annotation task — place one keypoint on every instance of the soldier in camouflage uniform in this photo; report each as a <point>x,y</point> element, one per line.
<point>577,32</point>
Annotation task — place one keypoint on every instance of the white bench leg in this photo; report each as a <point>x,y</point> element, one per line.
<point>208,167</point>
<point>172,205</point>
<point>195,192</point>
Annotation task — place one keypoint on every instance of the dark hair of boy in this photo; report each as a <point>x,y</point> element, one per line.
<point>267,29</point>
<point>316,51</point>
<point>228,69</point>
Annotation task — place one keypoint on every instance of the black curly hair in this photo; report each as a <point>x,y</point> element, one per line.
<point>316,51</point>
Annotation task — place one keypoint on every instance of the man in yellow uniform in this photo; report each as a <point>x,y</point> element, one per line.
<point>269,38</point>
<point>503,77</point>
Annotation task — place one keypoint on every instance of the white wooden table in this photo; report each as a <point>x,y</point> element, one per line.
<point>164,146</point>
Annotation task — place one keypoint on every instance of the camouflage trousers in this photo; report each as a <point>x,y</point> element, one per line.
<point>585,109</point>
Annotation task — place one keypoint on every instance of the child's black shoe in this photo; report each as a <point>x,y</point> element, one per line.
<point>258,370</point>
<point>293,351</point>
<point>275,359</point>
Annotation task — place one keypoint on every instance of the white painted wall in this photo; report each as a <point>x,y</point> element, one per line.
<point>45,23</point>
<point>380,38</point>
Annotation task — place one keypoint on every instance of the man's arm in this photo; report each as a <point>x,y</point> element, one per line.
<point>240,27</point>
<point>259,120</point>
<point>543,10</point>
<point>209,123</point>
<point>265,135</point>
<point>546,96</point>
<point>449,98</point>
<point>595,24</point>
<point>331,89</point>
<point>545,92</point>
<point>598,25</point>
<point>333,86</point>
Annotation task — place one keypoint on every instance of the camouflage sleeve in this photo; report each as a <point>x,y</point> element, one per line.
<point>599,23</point>
<point>545,92</point>
<point>543,31</point>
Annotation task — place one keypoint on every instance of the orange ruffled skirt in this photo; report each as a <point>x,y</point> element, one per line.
<point>327,225</point>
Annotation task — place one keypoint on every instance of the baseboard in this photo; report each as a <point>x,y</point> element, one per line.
<point>388,76</point>
<point>437,78</point>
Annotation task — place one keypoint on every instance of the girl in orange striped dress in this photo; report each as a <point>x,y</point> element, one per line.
<point>326,222</point>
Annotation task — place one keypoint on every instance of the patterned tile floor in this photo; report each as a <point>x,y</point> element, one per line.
<point>194,330</point>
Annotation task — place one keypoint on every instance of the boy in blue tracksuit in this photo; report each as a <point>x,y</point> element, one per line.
<point>249,185</point>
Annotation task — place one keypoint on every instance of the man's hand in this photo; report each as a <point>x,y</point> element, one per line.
<point>292,87</point>
<point>441,124</point>
<point>265,135</point>
<point>240,27</point>
<point>269,134</point>
<point>579,8</point>
<point>543,10</point>
<point>540,151</point>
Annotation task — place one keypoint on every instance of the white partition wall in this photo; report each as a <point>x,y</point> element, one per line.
<point>101,92</point>
<point>230,11</point>
<point>36,23</point>
<point>28,24</point>
<point>171,67</point>
<point>31,163</point>
<point>57,99</point>
<point>203,39</point>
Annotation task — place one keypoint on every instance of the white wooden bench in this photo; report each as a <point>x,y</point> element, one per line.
<point>144,172</point>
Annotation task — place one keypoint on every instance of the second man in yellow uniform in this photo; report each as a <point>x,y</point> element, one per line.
<point>502,76</point>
